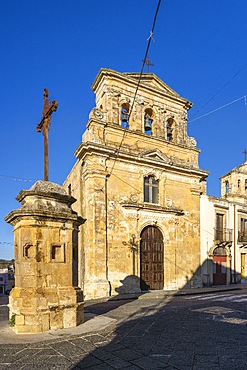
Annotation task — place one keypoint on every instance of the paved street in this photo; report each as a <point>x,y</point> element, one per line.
<point>204,330</point>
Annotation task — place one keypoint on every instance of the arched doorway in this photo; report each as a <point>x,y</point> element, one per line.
<point>152,259</point>
<point>220,266</point>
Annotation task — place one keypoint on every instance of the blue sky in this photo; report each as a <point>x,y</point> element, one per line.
<point>198,48</point>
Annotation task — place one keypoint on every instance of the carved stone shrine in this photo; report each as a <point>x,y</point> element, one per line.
<point>46,294</point>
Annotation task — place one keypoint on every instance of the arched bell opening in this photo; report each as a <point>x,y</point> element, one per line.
<point>148,121</point>
<point>170,125</point>
<point>125,109</point>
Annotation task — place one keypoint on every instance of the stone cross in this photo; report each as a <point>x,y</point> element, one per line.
<point>43,126</point>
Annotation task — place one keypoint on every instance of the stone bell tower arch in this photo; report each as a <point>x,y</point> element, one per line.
<point>45,295</point>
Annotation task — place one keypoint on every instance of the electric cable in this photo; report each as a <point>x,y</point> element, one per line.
<point>215,110</point>
<point>209,101</point>
<point>13,178</point>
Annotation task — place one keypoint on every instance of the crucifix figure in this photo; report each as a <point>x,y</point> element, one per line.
<point>43,126</point>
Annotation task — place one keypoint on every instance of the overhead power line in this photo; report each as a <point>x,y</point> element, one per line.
<point>223,106</point>
<point>13,178</point>
<point>209,101</point>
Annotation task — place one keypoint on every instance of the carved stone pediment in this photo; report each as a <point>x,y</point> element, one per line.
<point>157,155</point>
<point>151,79</point>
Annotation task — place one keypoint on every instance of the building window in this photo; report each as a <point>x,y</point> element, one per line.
<point>219,226</point>
<point>245,184</point>
<point>219,221</point>
<point>242,233</point>
<point>169,129</point>
<point>125,116</point>
<point>238,184</point>
<point>151,189</point>
<point>244,226</point>
<point>148,122</point>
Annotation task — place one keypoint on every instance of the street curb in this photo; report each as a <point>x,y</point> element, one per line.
<point>164,293</point>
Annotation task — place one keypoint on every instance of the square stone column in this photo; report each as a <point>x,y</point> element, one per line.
<point>45,236</point>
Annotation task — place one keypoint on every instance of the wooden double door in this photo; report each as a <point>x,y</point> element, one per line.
<point>152,259</point>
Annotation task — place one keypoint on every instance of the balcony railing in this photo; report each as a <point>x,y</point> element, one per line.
<point>223,235</point>
<point>242,237</point>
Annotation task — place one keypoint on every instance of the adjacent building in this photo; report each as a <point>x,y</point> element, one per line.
<point>4,274</point>
<point>224,231</point>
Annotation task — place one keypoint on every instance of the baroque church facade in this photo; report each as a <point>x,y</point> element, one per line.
<point>138,186</point>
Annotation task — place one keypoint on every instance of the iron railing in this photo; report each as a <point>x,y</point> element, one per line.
<point>223,234</point>
<point>242,237</point>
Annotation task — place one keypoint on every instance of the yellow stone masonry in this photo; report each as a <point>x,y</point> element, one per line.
<point>137,183</point>
<point>46,295</point>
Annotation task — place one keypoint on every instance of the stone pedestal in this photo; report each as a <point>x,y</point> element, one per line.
<point>46,253</point>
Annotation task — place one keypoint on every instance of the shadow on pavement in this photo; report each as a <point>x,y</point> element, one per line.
<point>159,331</point>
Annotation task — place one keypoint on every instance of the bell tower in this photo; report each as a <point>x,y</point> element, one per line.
<point>234,184</point>
<point>157,111</point>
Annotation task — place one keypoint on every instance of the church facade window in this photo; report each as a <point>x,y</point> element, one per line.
<point>151,190</point>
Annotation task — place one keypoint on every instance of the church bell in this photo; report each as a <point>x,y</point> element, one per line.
<point>147,123</point>
<point>125,117</point>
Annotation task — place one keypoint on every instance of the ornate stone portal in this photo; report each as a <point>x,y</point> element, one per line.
<point>46,295</point>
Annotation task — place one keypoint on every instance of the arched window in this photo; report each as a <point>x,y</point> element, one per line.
<point>151,190</point>
<point>239,183</point>
<point>148,122</point>
<point>169,129</point>
<point>125,116</point>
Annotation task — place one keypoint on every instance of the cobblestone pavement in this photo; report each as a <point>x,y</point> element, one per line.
<point>156,331</point>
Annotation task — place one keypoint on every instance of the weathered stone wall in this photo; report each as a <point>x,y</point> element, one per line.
<point>112,164</point>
